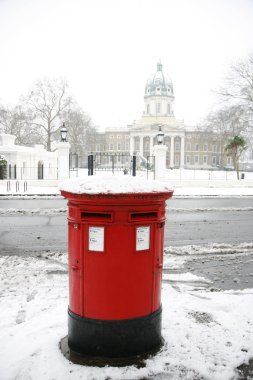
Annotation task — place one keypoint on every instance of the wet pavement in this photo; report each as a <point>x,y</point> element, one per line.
<point>32,234</point>
<point>184,228</point>
<point>222,272</point>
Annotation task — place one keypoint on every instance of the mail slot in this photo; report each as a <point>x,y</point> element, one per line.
<point>115,247</point>
<point>143,216</point>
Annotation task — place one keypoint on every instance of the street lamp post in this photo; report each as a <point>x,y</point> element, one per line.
<point>160,136</point>
<point>159,151</point>
<point>63,133</point>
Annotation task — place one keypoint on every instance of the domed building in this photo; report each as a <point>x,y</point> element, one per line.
<point>159,112</point>
<point>187,147</point>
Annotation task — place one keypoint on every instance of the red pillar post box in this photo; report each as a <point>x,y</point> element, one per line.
<point>115,251</point>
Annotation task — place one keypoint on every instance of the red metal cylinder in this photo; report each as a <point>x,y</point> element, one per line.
<point>115,272</point>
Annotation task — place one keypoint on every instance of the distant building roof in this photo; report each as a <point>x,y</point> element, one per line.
<point>159,84</point>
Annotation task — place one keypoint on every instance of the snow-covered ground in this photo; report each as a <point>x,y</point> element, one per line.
<point>207,334</point>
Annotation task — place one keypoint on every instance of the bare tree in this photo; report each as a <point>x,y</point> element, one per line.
<point>80,129</point>
<point>16,122</point>
<point>45,104</point>
<point>226,123</point>
<point>238,89</point>
<point>238,85</point>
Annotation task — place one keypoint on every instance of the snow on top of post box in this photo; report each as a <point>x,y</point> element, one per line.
<point>113,185</point>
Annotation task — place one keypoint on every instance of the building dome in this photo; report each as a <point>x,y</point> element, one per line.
<point>158,84</point>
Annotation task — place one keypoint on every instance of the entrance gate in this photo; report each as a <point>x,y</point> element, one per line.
<point>123,162</point>
<point>150,167</point>
<point>112,162</point>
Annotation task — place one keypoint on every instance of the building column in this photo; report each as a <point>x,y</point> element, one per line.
<point>182,153</point>
<point>131,147</point>
<point>172,152</point>
<point>141,145</point>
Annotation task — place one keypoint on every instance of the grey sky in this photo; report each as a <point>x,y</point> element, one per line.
<point>107,49</point>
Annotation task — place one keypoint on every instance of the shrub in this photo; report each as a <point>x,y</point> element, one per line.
<point>3,167</point>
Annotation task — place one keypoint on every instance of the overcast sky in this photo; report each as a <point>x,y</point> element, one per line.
<point>106,49</point>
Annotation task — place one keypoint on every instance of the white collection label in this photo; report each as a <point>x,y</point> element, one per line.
<point>96,239</point>
<point>142,238</point>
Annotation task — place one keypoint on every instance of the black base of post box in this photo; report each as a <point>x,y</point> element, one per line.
<point>112,339</point>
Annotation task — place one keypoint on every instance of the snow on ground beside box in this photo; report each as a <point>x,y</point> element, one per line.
<point>212,191</point>
<point>109,184</point>
<point>208,249</point>
<point>207,335</point>
<point>185,277</point>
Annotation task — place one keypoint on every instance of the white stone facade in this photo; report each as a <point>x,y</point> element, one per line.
<point>32,163</point>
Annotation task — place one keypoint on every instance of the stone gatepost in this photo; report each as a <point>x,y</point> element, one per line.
<point>159,152</point>
<point>63,160</point>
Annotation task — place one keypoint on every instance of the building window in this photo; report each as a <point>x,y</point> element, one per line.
<point>188,146</point>
<point>229,160</point>
<point>187,159</point>
<point>214,148</point>
<point>196,159</point>
<point>214,160</point>
<point>177,145</point>
<point>127,145</point>
<point>197,147</point>
<point>168,108</point>
<point>205,147</point>
<point>119,146</point>
<point>205,159</point>
<point>158,107</point>
<point>147,108</point>
<point>176,159</point>
<point>111,146</point>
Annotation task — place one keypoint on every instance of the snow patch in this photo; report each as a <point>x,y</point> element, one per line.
<point>63,210</point>
<point>206,335</point>
<point>212,248</point>
<point>185,277</point>
<point>109,184</point>
<point>36,211</point>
